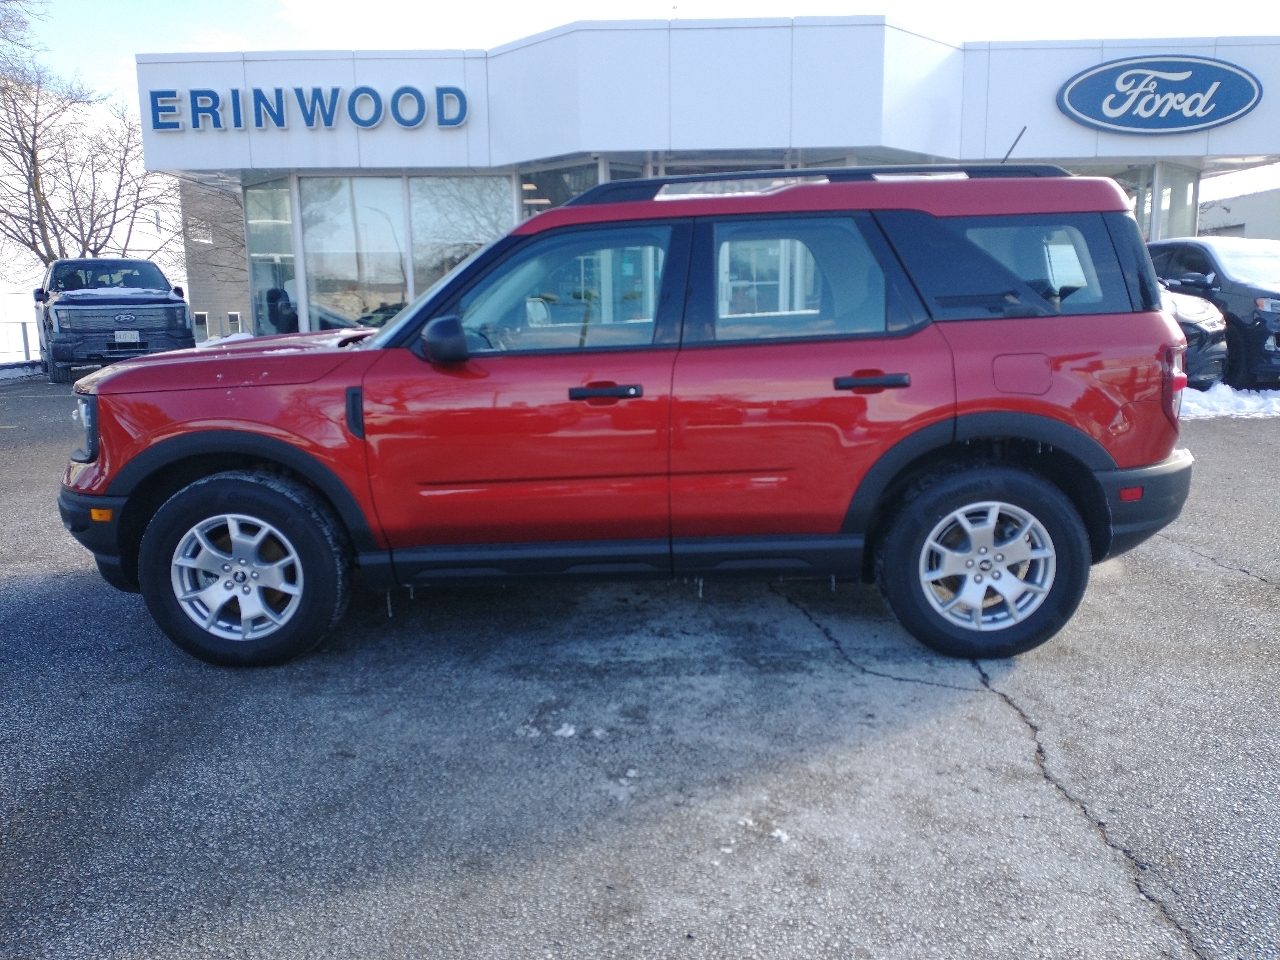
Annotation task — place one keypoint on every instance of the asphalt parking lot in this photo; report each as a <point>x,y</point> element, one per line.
<point>633,771</point>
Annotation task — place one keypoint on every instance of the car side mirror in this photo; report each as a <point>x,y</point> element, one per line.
<point>40,295</point>
<point>444,341</point>
<point>1197,281</point>
<point>180,292</point>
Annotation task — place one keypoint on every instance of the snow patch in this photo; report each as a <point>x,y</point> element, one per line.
<point>565,730</point>
<point>94,293</point>
<point>222,341</point>
<point>780,835</point>
<point>1221,401</point>
<point>19,370</point>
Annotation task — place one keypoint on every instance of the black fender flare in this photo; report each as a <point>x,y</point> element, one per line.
<point>1001,425</point>
<point>207,442</point>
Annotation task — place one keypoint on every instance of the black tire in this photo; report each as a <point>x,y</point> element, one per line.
<point>910,571</point>
<point>302,549</point>
<point>59,373</point>
<point>1238,375</point>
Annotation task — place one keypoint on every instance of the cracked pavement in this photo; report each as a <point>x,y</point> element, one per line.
<point>628,770</point>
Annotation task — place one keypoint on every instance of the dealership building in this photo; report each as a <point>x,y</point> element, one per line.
<point>323,189</point>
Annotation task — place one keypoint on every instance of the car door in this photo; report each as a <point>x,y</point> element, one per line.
<point>806,355</point>
<point>547,450</point>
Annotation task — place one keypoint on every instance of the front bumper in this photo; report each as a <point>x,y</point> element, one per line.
<point>1164,487</point>
<point>101,537</point>
<point>102,348</point>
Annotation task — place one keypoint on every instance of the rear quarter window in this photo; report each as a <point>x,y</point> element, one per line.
<point>979,268</point>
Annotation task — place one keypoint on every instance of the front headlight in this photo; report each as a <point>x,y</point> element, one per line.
<point>86,414</point>
<point>1267,305</point>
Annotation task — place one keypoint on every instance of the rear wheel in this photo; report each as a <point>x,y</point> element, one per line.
<point>985,562</point>
<point>245,569</point>
<point>59,373</point>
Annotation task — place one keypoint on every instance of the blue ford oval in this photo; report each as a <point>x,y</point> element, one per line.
<point>1160,95</point>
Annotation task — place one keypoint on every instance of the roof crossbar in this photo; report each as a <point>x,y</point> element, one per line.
<point>625,191</point>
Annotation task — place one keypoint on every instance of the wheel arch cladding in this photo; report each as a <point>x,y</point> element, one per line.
<point>157,473</point>
<point>1062,454</point>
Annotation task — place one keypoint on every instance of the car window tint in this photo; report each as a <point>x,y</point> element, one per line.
<point>569,291</point>
<point>973,268</point>
<point>1192,260</point>
<point>1162,260</point>
<point>810,277</point>
<point>106,274</point>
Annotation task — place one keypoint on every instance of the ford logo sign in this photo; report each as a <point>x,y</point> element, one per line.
<point>125,318</point>
<point>1159,95</point>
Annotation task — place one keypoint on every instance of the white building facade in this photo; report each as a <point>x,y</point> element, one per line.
<point>366,175</point>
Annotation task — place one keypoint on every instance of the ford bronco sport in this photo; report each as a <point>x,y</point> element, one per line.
<point>956,382</point>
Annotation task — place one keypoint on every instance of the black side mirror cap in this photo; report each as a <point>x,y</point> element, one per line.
<point>180,292</point>
<point>40,295</point>
<point>1197,281</point>
<point>444,341</point>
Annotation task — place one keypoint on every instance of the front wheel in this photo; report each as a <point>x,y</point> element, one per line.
<point>245,569</point>
<point>985,562</point>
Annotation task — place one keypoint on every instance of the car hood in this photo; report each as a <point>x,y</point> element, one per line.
<point>113,297</point>
<point>291,358</point>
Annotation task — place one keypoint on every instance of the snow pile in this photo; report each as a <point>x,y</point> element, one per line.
<point>94,293</point>
<point>1221,401</point>
<point>16,370</point>
<point>222,341</point>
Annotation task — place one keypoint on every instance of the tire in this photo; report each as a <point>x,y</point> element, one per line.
<point>1010,509</point>
<point>58,373</point>
<point>1237,375</point>
<point>247,528</point>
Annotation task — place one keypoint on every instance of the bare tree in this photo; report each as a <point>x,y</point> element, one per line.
<point>15,22</point>
<point>72,178</point>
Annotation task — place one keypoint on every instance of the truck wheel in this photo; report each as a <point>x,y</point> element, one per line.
<point>984,562</point>
<point>245,569</point>
<point>59,373</point>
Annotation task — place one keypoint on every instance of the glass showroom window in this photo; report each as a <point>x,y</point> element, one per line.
<point>452,217</point>
<point>273,288</point>
<point>353,234</point>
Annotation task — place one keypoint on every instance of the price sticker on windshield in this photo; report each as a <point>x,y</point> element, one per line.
<point>127,336</point>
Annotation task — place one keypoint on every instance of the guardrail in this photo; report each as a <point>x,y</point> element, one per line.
<point>19,342</point>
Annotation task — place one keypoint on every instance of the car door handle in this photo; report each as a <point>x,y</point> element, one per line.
<point>880,381</point>
<point>624,391</point>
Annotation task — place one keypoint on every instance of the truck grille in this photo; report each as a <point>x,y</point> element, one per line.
<point>93,319</point>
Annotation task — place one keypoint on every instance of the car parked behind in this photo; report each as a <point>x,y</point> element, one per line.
<point>1241,277</point>
<point>1206,332</point>
<point>96,311</point>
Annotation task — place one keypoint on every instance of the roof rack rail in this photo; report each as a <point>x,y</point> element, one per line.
<point>624,191</point>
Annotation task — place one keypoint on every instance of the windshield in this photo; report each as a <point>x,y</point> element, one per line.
<point>393,325</point>
<point>1258,263</point>
<point>107,275</point>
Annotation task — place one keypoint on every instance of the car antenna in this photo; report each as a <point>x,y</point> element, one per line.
<point>1015,142</point>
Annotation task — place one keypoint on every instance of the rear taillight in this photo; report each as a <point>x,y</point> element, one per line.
<point>1174,382</point>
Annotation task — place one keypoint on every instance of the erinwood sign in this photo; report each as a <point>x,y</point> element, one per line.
<point>316,108</point>
<point>1160,95</point>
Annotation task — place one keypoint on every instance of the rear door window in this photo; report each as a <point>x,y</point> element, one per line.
<point>976,268</point>
<point>797,279</point>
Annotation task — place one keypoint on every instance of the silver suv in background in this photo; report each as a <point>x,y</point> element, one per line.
<point>96,311</point>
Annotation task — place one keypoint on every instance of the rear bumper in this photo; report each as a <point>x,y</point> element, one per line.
<point>101,537</point>
<point>1164,487</point>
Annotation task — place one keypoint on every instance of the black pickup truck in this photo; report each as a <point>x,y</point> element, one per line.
<point>94,312</point>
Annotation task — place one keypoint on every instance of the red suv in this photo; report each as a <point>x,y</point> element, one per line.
<point>957,382</point>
